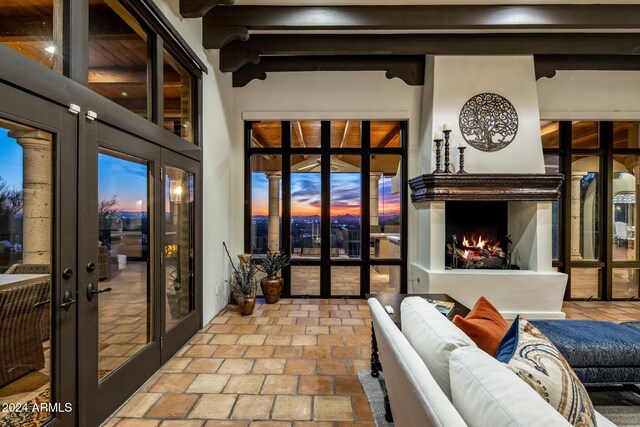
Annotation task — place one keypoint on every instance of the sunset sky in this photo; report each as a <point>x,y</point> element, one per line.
<point>305,195</point>
<point>124,179</point>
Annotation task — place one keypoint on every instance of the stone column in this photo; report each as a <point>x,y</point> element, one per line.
<point>274,210</point>
<point>374,179</point>
<point>576,179</point>
<point>36,223</point>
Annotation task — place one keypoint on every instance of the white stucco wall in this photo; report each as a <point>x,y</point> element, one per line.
<point>217,164</point>
<point>590,95</point>
<point>323,95</point>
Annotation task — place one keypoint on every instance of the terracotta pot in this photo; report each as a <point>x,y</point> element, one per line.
<point>272,288</point>
<point>246,302</point>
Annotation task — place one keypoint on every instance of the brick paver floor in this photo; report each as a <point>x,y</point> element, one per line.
<point>291,364</point>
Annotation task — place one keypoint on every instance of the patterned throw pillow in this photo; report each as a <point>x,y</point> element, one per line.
<point>528,353</point>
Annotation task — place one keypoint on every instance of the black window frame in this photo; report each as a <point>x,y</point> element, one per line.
<point>325,261</point>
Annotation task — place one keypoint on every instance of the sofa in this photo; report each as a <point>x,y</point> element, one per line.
<point>436,376</point>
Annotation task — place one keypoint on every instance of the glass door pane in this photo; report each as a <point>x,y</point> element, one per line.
<point>178,244</point>
<point>26,200</point>
<point>125,309</point>
<point>385,206</point>
<point>585,205</point>
<point>346,207</point>
<point>306,198</point>
<point>626,170</point>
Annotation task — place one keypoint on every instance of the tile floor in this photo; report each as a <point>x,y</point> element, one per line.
<point>291,364</point>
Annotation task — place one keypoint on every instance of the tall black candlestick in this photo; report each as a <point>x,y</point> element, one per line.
<point>461,170</point>
<point>446,133</point>
<point>438,151</point>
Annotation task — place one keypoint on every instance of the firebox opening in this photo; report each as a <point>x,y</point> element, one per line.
<point>480,230</point>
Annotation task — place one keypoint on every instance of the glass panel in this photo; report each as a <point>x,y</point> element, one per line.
<point>626,135</point>
<point>305,280</point>
<point>266,203</point>
<point>385,208</point>
<point>585,208</point>
<point>306,196</point>
<point>118,56</point>
<point>346,190</point>
<point>585,282</point>
<point>178,102</point>
<point>626,283</point>
<point>552,165</point>
<point>385,279</point>
<point>584,135</point>
<point>178,244</point>
<point>26,196</point>
<point>385,135</point>
<point>345,280</point>
<point>345,134</point>
<point>266,134</point>
<point>550,134</point>
<point>306,134</point>
<point>123,259</point>
<point>34,28</point>
<point>626,170</point>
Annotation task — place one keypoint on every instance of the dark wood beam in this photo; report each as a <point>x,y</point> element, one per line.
<point>411,17</point>
<point>547,65</point>
<point>216,38</point>
<point>409,69</point>
<point>197,8</point>
<point>236,54</point>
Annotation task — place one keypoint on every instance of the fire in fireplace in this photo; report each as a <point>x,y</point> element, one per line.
<point>477,236</point>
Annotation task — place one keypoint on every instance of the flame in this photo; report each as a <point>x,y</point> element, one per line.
<point>465,255</point>
<point>479,244</point>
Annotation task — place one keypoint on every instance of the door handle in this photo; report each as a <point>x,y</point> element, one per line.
<point>92,290</point>
<point>67,300</point>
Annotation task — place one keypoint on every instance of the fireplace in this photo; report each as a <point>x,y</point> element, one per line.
<point>477,236</point>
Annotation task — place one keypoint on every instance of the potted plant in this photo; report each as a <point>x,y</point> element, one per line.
<point>243,284</point>
<point>272,284</point>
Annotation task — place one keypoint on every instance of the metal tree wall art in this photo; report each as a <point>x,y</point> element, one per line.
<point>488,122</point>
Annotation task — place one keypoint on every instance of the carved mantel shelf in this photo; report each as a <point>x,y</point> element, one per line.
<point>485,187</point>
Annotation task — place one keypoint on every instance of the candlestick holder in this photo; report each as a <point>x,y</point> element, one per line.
<point>461,157</point>
<point>438,153</point>
<point>446,133</point>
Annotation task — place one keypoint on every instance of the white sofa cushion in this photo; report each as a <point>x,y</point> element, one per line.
<point>416,400</point>
<point>433,336</point>
<point>487,393</point>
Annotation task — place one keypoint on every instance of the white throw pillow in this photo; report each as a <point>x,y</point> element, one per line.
<point>433,337</point>
<point>487,393</point>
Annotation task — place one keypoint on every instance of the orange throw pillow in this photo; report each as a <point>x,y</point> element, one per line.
<point>484,325</point>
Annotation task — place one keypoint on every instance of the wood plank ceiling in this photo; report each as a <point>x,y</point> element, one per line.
<point>118,50</point>
<point>256,40</point>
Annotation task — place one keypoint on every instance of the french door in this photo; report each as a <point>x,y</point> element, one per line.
<point>137,295</point>
<point>38,280</point>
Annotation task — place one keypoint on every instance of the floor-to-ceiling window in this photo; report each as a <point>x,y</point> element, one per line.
<point>332,195</point>
<point>594,223</point>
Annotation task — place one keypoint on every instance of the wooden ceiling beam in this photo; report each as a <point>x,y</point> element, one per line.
<point>395,130</point>
<point>198,8</point>
<point>439,17</point>
<point>347,130</point>
<point>547,65</point>
<point>409,69</point>
<point>236,54</point>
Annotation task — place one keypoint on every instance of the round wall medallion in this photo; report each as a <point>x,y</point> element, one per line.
<point>488,122</point>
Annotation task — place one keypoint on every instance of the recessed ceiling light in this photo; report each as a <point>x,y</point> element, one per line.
<point>125,94</point>
<point>50,49</point>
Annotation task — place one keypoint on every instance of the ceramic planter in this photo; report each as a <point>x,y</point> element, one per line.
<point>272,288</point>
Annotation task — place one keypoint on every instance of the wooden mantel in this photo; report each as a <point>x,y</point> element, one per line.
<point>485,187</point>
